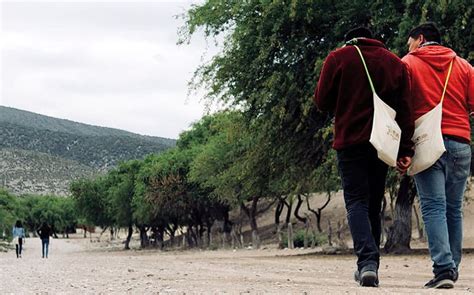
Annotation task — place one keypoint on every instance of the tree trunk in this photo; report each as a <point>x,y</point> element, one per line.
<point>200,230</point>
<point>234,239</point>
<point>252,215</point>
<point>102,232</point>
<point>193,237</point>
<point>161,237</point>
<point>129,237</point>
<point>209,233</point>
<point>291,244</point>
<point>111,233</point>
<point>399,235</point>
<point>288,213</point>
<point>297,210</point>
<point>306,230</point>
<point>280,236</point>
<point>172,238</point>
<point>319,212</point>
<point>224,240</point>
<point>278,211</point>
<point>183,244</point>
<point>144,241</point>
<point>329,233</point>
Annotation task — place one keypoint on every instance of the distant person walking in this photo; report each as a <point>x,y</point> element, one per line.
<point>441,187</point>
<point>44,233</point>
<point>346,89</point>
<point>18,233</point>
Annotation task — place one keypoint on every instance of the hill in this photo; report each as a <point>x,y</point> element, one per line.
<point>27,172</point>
<point>41,154</point>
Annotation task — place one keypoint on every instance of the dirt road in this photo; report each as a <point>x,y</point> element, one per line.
<point>77,266</point>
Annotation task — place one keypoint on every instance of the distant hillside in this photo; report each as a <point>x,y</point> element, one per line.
<point>37,121</point>
<point>40,154</point>
<point>27,172</point>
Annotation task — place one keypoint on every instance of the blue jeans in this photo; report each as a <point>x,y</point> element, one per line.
<point>44,247</point>
<point>363,181</point>
<point>441,191</point>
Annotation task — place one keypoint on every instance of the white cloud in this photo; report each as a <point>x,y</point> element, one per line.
<point>110,63</point>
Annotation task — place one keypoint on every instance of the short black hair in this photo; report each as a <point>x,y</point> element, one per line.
<point>357,33</point>
<point>428,30</point>
<point>18,223</point>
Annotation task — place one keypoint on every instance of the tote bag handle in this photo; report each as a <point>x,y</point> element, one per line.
<point>366,70</point>
<point>447,79</point>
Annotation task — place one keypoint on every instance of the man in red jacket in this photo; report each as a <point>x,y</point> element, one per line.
<point>343,90</point>
<point>441,187</point>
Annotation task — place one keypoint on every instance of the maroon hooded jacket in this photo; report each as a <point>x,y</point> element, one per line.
<point>344,90</point>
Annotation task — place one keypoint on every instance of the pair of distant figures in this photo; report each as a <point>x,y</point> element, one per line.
<point>18,232</point>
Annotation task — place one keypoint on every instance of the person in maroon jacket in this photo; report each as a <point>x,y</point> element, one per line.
<point>343,90</point>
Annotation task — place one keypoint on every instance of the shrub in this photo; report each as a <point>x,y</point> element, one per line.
<point>319,238</point>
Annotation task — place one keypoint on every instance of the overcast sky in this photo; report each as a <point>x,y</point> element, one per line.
<point>108,63</point>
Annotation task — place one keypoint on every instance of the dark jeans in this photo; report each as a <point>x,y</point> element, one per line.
<point>19,247</point>
<point>44,247</point>
<point>363,181</point>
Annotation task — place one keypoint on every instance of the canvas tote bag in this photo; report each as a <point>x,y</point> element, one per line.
<point>385,135</point>
<point>428,138</point>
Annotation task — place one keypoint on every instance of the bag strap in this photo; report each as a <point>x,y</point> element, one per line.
<point>366,70</point>
<point>447,79</point>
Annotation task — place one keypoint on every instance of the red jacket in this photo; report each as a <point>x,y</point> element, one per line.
<point>344,90</point>
<point>428,68</point>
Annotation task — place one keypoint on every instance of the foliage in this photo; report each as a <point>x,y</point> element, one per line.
<point>273,51</point>
<point>298,239</point>
<point>33,210</point>
<point>92,202</point>
<point>9,212</point>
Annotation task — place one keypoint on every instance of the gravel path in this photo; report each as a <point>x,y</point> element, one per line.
<point>78,266</point>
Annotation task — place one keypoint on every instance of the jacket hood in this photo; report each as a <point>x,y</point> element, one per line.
<point>436,56</point>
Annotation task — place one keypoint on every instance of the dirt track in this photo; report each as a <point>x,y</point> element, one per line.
<point>78,266</point>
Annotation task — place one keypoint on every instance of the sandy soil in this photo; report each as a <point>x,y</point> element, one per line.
<point>79,266</point>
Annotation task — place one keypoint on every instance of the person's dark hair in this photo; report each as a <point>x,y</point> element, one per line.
<point>428,30</point>
<point>18,224</point>
<point>358,33</point>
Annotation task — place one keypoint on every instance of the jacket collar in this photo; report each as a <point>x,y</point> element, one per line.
<point>365,42</point>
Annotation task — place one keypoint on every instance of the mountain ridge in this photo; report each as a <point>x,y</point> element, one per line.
<point>42,154</point>
<point>22,117</point>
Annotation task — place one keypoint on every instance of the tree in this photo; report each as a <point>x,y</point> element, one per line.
<point>10,211</point>
<point>235,165</point>
<point>120,193</point>
<point>92,202</point>
<point>399,235</point>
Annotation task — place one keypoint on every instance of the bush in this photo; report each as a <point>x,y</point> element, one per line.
<point>319,238</point>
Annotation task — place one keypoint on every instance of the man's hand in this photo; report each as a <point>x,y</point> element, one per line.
<point>402,164</point>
